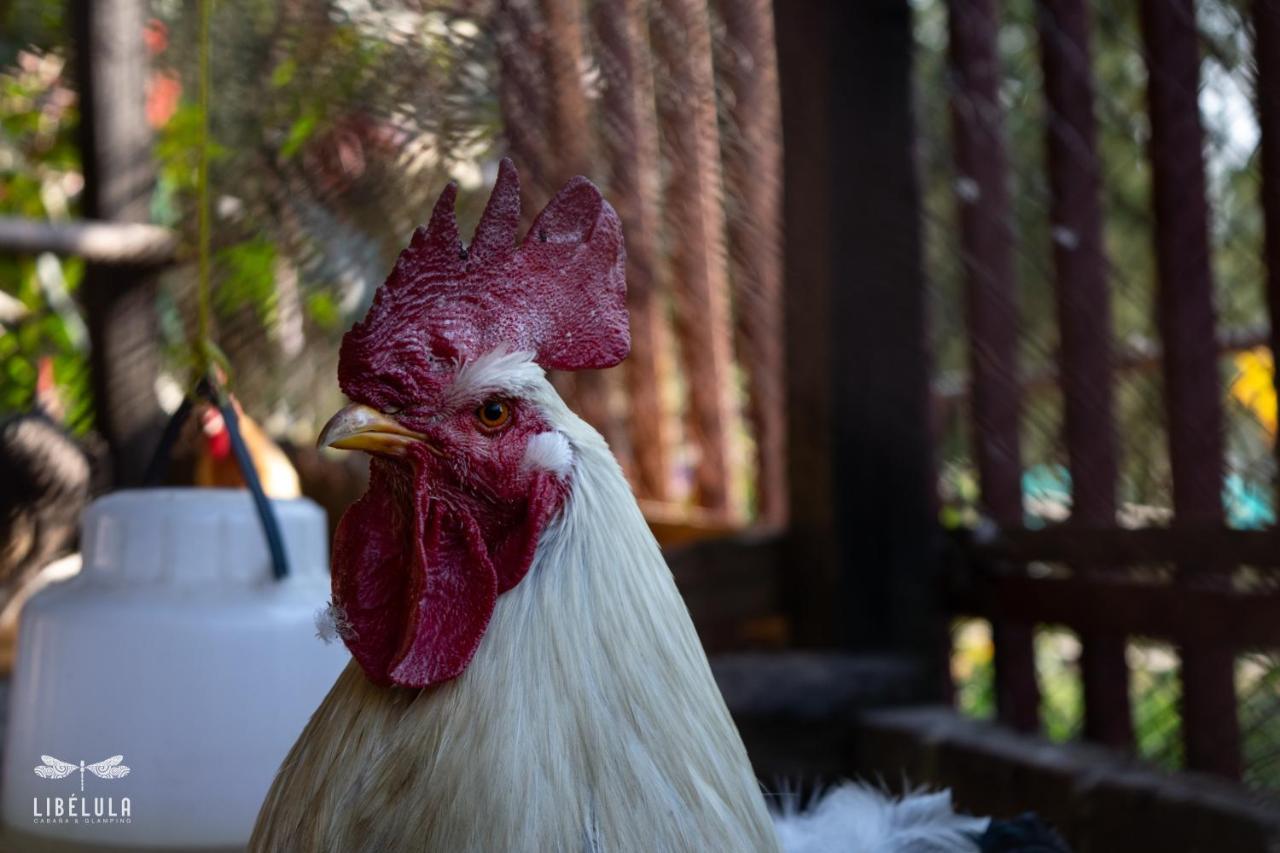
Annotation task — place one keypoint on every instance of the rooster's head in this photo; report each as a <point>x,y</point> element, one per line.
<point>445,375</point>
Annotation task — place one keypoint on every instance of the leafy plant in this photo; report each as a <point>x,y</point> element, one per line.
<point>40,178</point>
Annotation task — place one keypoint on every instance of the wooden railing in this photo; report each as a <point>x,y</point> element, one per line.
<point>1095,592</point>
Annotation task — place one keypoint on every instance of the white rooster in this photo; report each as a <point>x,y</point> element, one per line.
<point>526,676</point>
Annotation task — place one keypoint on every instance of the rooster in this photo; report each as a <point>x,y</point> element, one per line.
<point>215,463</point>
<point>525,676</point>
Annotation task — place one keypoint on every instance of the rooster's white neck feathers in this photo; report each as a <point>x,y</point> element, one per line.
<point>588,720</point>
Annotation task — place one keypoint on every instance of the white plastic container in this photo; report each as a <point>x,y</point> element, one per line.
<point>177,652</point>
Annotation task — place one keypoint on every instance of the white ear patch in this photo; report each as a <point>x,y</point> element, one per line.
<point>549,451</point>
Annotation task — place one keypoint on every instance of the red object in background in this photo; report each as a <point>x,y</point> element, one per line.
<point>156,36</point>
<point>216,465</point>
<point>216,433</point>
<point>164,89</point>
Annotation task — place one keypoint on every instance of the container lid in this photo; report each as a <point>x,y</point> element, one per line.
<point>198,536</point>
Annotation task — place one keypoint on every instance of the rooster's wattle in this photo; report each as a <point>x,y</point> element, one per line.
<point>526,676</point>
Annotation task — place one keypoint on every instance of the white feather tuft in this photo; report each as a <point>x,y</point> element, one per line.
<point>331,623</point>
<point>498,371</point>
<point>549,451</point>
<point>856,818</point>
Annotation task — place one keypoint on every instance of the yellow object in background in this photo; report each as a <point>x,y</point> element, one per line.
<point>1254,386</point>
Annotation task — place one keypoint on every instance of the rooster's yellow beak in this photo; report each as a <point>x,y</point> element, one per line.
<point>358,427</point>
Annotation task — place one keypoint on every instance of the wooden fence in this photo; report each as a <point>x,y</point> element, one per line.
<point>698,191</point>
<point>1199,604</point>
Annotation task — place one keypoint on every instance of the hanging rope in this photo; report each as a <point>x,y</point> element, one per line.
<point>203,356</point>
<point>208,363</point>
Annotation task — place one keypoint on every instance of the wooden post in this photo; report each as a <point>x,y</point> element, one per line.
<point>864,545</point>
<point>1266,25</point>
<point>982,171</point>
<point>522,96</point>
<point>568,134</point>
<point>1084,322</point>
<point>680,31</point>
<point>120,299</point>
<point>519,32</point>
<point>1190,360</point>
<point>809,135</point>
<point>629,140</point>
<point>752,163</point>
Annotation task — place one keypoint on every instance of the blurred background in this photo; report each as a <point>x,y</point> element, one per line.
<point>952,320</point>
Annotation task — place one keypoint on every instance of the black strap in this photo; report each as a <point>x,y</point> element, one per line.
<point>266,512</point>
<point>159,463</point>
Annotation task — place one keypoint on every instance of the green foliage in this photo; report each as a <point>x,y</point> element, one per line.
<point>331,126</point>
<point>40,179</point>
<point>247,279</point>
<point>302,129</point>
<point>1156,693</point>
<point>177,156</point>
<point>27,24</point>
<point>323,310</point>
<point>1154,688</point>
<point>1061,692</point>
<point>1258,685</point>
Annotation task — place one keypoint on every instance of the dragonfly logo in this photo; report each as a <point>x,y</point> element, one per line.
<point>81,809</point>
<point>109,768</point>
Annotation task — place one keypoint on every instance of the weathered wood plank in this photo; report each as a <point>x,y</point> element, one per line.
<point>982,172</point>
<point>1205,544</point>
<point>570,137</point>
<point>1207,618</point>
<point>884,485</point>
<point>862,552</point>
<point>1084,322</point>
<point>753,188</point>
<point>1266,27</point>
<point>1186,322</point>
<point>812,133</point>
<point>1137,353</point>
<point>694,234</point>
<point>629,140</point>
<point>522,97</point>
<point>730,585</point>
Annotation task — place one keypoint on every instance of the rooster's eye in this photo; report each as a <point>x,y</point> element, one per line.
<point>493,415</point>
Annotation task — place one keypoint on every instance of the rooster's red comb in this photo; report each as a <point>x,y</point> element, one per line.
<point>560,294</point>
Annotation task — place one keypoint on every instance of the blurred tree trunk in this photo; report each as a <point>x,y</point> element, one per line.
<point>119,300</point>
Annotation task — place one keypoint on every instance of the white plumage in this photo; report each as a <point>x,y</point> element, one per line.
<point>856,818</point>
<point>587,721</point>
